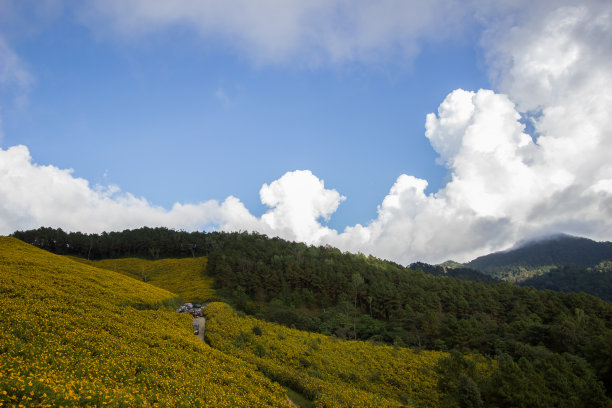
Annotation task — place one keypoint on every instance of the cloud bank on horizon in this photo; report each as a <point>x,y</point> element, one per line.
<point>551,66</point>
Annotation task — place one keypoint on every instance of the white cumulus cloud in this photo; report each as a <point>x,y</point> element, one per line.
<point>297,201</point>
<point>33,196</point>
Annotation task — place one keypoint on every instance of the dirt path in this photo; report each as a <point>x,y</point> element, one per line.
<point>202,322</point>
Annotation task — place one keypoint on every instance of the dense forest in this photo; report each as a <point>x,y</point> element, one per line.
<point>456,271</point>
<point>596,280</point>
<point>554,349</point>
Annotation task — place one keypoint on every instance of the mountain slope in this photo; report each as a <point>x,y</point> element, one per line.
<point>75,335</point>
<point>352,296</point>
<point>330,371</point>
<point>538,257</point>
<point>186,277</point>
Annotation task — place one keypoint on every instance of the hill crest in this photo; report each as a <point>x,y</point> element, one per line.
<point>538,256</point>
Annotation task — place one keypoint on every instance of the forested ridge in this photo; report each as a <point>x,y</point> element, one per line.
<point>539,257</point>
<point>553,349</point>
<point>148,243</point>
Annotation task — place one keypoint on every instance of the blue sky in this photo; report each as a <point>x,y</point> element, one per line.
<point>188,103</point>
<point>176,118</point>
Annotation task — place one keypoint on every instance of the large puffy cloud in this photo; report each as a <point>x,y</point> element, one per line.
<point>553,69</point>
<point>562,72</point>
<point>298,200</point>
<point>481,141</point>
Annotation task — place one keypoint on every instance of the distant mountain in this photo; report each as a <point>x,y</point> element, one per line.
<point>535,258</point>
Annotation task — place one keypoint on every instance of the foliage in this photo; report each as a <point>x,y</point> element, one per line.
<point>70,336</point>
<point>454,270</point>
<point>331,372</point>
<point>185,277</point>
<point>148,243</point>
<point>595,280</point>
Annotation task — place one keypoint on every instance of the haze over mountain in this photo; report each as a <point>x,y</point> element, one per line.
<point>539,256</point>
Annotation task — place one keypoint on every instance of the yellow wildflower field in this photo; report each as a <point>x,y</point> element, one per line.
<point>186,277</point>
<point>75,335</point>
<point>332,372</point>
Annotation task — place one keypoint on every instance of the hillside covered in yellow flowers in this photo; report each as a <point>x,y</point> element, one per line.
<point>76,335</point>
<point>185,277</point>
<point>416,339</point>
<point>106,333</point>
<point>73,334</point>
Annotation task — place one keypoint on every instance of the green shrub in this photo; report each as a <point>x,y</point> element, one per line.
<point>260,351</point>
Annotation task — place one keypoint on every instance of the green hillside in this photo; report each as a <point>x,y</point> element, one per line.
<point>551,349</point>
<point>539,257</point>
<point>561,342</point>
<point>75,335</point>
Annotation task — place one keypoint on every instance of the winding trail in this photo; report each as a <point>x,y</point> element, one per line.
<point>202,322</point>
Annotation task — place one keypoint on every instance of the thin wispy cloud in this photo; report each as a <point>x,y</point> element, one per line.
<point>15,79</point>
<point>223,98</point>
<point>308,33</point>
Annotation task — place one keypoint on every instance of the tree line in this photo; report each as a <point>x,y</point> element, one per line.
<point>147,243</point>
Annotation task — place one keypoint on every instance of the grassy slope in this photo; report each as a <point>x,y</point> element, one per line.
<point>332,372</point>
<point>71,336</point>
<point>185,276</point>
